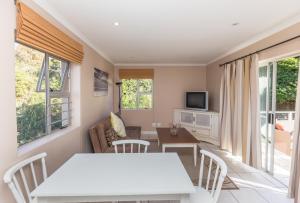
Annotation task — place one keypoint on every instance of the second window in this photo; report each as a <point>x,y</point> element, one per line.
<point>137,93</point>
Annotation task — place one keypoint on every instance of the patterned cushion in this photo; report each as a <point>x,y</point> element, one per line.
<point>110,136</point>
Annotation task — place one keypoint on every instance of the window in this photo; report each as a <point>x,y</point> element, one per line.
<point>42,94</point>
<point>137,93</point>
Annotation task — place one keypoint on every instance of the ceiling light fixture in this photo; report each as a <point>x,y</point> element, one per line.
<point>116,24</point>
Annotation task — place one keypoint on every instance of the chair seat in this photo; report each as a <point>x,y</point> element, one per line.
<point>201,195</point>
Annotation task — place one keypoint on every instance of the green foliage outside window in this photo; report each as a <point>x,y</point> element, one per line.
<point>137,93</point>
<point>287,77</point>
<point>31,103</point>
<point>55,69</point>
<point>129,94</point>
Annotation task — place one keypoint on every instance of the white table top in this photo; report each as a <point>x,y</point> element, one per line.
<point>117,174</point>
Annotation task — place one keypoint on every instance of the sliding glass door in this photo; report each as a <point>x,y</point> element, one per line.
<point>267,91</point>
<point>277,89</point>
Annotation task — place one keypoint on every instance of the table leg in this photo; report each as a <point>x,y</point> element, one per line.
<point>195,154</point>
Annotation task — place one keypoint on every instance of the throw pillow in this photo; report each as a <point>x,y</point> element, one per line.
<point>118,125</point>
<point>110,136</point>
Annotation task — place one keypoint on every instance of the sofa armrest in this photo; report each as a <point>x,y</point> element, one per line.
<point>95,140</point>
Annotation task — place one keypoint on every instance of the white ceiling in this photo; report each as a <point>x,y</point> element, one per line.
<point>170,31</point>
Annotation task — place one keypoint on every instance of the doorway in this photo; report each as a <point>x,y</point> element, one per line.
<point>278,89</point>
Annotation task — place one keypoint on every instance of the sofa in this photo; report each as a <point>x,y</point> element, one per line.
<point>98,138</point>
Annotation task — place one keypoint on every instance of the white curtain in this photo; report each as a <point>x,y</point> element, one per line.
<point>255,134</point>
<point>295,167</point>
<point>225,109</point>
<point>239,109</point>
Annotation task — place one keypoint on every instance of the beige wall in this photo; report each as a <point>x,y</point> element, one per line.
<point>93,108</point>
<point>87,108</point>
<point>214,72</point>
<point>170,84</point>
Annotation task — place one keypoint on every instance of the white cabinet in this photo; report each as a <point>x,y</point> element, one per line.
<point>186,118</point>
<point>204,125</point>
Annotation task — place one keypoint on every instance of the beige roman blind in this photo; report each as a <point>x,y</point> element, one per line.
<point>136,73</point>
<point>35,31</point>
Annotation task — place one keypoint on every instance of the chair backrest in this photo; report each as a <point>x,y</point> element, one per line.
<point>216,173</point>
<point>131,142</point>
<point>11,177</point>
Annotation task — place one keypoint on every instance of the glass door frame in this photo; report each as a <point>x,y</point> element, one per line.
<point>270,113</point>
<point>265,63</point>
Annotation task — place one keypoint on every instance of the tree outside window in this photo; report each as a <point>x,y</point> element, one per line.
<point>42,94</point>
<point>137,93</point>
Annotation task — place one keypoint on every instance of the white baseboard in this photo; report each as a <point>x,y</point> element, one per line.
<point>150,135</point>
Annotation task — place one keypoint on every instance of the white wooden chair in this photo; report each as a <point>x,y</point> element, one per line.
<point>23,170</point>
<point>217,171</point>
<point>140,143</point>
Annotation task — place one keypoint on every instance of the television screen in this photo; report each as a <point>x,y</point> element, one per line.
<point>197,100</point>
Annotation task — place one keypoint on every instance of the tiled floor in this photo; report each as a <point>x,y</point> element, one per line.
<point>254,186</point>
<point>282,166</point>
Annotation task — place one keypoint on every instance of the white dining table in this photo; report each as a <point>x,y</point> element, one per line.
<point>117,177</point>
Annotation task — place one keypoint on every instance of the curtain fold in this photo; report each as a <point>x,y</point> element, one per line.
<point>225,110</point>
<point>295,164</point>
<point>254,154</point>
<point>239,109</point>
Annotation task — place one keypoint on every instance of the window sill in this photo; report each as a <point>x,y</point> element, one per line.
<point>44,140</point>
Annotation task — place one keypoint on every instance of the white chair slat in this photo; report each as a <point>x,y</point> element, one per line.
<point>44,168</point>
<point>25,184</point>
<point>201,170</point>
<point>132,143</point>
<point>17,192</point>
<point>33,174</point>
<point>218,188</point>
<point>215,179</point>
<point>208,174</point>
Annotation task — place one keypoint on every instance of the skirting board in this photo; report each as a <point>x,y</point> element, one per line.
<point>149,135</point>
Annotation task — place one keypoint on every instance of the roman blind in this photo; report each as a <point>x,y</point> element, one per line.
<point>35,31</point>
<point>136,73</point>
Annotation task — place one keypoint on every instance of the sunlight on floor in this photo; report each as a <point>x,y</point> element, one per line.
<point>254,185</point>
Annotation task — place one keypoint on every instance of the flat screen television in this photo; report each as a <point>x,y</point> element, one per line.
<point>197,100</point>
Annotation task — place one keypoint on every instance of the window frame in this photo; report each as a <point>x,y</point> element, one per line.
<point>63,93</point>
<point>57,94</point>
<point>139,94</point>
<point>66,73</point>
